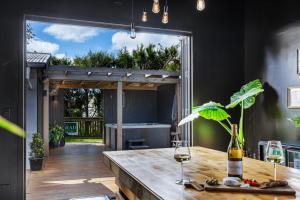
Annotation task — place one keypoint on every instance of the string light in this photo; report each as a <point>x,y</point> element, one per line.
<point>156,6</point>
<point>165,18</point>
<point>200,5</point>
<point>145,16</point>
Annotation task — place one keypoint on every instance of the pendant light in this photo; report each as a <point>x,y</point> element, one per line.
<point>156,6</point>
<point>132,27</point>
<point>200,5</point>
<point>145,16</point>
<point>165,18</point>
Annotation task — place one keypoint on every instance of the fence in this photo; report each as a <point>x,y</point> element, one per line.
<point>88,127</point>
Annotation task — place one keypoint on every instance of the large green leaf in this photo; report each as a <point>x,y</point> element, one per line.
<point>213,111</point>
<point>246,95</point>
<point>296,121</point>
<point>11,127</point>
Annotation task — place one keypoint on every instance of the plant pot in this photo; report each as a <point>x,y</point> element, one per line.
<point>54,144</point>
<point>62,142</point>
<point>36,164</point>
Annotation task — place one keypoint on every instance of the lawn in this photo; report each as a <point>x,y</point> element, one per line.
<point>84,140</point>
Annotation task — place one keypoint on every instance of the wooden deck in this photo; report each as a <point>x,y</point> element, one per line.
<point>74,171</point>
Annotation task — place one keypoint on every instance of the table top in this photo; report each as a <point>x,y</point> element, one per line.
<point>156,170</point>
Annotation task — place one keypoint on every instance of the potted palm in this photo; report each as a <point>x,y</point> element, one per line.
<point>37,152</point>
<point>56,135</point>
<point>244,98</point>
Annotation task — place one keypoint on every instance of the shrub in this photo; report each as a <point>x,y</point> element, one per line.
<point>37,146</point>
<point>56,133</point>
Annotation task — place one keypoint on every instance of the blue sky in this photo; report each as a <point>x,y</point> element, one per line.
<point>70,41</point>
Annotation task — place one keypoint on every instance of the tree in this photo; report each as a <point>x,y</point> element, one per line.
<point>124,59</point>
<point>95,59</point>
<point>61,61</point>
<point>151,57</point>
<point>29,33</point>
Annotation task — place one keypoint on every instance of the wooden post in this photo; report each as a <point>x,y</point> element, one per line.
<point>46,116</point>
<point>119,115</point>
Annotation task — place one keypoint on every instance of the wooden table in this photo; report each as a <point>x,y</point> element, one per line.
<point>151,174</point>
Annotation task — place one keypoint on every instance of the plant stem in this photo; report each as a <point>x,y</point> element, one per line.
<point>241,134</point>
<point>224,126</point>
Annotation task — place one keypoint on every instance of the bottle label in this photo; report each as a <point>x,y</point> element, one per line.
<point>235,167</point>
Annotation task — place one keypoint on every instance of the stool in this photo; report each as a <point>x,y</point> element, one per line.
<point>174,138</point>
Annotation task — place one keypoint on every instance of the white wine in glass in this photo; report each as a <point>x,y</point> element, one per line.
<point>274,154</point>
<point>182,154</point>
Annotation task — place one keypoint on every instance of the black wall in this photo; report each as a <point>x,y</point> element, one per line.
<point>138,106</point>
<point>56,108</point>
<point>272,36</point>
<point>218,41</point>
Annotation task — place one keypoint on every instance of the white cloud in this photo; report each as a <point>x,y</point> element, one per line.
<point>122,39</point>
<point>72,33</point>
<point>60,55</point>
<point>41,46</point>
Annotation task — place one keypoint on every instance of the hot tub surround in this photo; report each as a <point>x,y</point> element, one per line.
<point>155,135</point>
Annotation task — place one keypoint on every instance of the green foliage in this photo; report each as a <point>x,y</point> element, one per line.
<point>124,59</point>
<point>83,102</point>
<point>214,111</point>
<point>61,61</point>
<point>296,121</point>
<point>95,59</point>
<point>11,127</point>
<point>151,57</point>
<point>246,96</point>
<point>56,133</point>
<point>37,146</point>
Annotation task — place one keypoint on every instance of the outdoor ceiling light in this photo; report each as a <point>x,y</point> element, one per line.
<point>144,16</point>
<point>156,6</point>
<point>132,31</point>
<point>165,18</point>
<point>200,5</point>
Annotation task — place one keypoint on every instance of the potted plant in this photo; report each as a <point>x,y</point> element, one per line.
<point>56,135</point>
<point>37,152</point>
<point>244,98</point>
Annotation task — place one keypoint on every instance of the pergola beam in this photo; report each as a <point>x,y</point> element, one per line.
<point>134,79</point>
<point>112,74</point>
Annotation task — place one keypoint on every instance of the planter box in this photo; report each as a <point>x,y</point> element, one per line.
<point>36,164</point>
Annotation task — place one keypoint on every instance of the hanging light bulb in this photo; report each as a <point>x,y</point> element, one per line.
<point>132,31</point>
<point>165,18</point>
<point>156,6</point>
<point>200,5</point>
<point>144,16</point>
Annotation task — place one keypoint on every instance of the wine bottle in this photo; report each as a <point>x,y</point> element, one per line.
<point>235,155</point>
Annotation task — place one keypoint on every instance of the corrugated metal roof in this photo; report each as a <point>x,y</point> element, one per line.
<point>37,58</point>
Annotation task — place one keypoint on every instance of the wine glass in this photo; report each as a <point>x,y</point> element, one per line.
<point>274,154</point>
<point>182,154</point>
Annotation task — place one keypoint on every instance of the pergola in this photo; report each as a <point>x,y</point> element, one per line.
<point>64,77</point>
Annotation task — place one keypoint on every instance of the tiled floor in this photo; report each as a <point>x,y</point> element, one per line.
<point>74,171</point>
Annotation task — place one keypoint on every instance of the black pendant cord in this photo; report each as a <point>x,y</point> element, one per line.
<point>131,11</point>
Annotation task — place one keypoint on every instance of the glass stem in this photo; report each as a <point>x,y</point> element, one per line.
<point>275,172</point>
<point>181,171</point>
